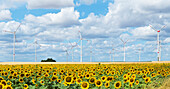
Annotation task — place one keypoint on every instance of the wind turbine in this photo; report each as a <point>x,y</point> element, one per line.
<point>81,43</point>
<point>124,42</point>
<point>139,52</point>
<point>66,54</point>
<point>72,48</point>
<point>158,46</point>
<point>14,33</point>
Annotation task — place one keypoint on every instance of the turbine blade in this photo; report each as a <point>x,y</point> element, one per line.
<point>121,40</point>
<point>18,27</point>
<point>126,41</point>
<point>152,27</point>
<point>7,31</point>
<point>163,27</point>
<point>80,34</point>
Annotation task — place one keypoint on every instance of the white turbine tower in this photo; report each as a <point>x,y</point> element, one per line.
<point>139,52</point>
<point>110,52</point>
<point>158,46</point>
<point>124,42</point>
<point>14,33</point>
<point>72,49</point>
<point>81,43</point>
<point>66,54</point>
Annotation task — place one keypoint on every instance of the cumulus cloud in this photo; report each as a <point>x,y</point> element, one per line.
<point>49,4</point>
<point>5,15</point>
<point>67,17</point>
<point>87,2</point>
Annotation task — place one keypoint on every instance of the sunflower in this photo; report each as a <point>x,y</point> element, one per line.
<point>113,72</point>
<point>68,79</point>
<point>21,80</point>
<point>53,78</point>
<point>133,76</point>
<point>59,80</point>
<point>4,82</point>
<point>125,76</point>
<point>22,75</point>
<point>25,86</point>
<point>54,73</point>
<point>137,82</point>
<point>132,80</point>
<point>84,85</point>
<point>10,77</point>
<point>98,83</point>
<point>125,80</point>
<point>5,73</point>
<point>92,80</point>
<point>130,84</point>
<point>42,82</point>
<point>87,76</point>
<point>117,84</point>
<point>103,78</point>
<point>107,84</point>
<point>8,87</point>
<point>144,76</point>
<point>46,75</point>
<point>78,81</point>
<point>1,79</point>
<point>1,86</point>
<point>27,75</point>
<point>147,79</point>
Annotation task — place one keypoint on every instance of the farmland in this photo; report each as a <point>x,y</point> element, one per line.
<point>122,75</point>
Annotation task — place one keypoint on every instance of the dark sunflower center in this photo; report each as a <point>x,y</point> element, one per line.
<point>22,75</point>
<point>103,78</point>
<point>131,80</point>
<point>146,80</point>
<point>107,84</point>
<point>87,75</point>
<point>84,85</point>
<point>92,80</point>
<point>98,82</point>
<point>54,78</point>
<point>117,84</point>
<point>4,83</point>
<point>68,79</point>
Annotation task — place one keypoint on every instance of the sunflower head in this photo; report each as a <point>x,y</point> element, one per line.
<point>137,82</point>
<point>147,79</point>
<point>103,78</point>
<point>98,83</point>
<point>132,80</point>
<point>84,85</point>
<point>117,84</point>
<point>107,84</point>
<point>25,86</point>
<point>8,87</point>
<point>4,82</point>
<point>68,79</point>
<point>92,80</point>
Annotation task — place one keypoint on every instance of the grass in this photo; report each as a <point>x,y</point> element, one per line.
<point>161,83</point>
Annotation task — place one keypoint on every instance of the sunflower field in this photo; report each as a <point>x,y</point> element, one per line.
<point>81,76</point>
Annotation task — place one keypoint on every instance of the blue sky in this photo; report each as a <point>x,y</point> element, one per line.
<point>103,22</point>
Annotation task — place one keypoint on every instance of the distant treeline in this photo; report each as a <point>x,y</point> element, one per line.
<point>48,60</point>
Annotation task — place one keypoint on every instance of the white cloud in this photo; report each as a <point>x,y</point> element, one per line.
<point>5,15</point>
<point>87,2</point>
<point>67,17</point>
<point>49,4</point>
<point>167,40</point>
